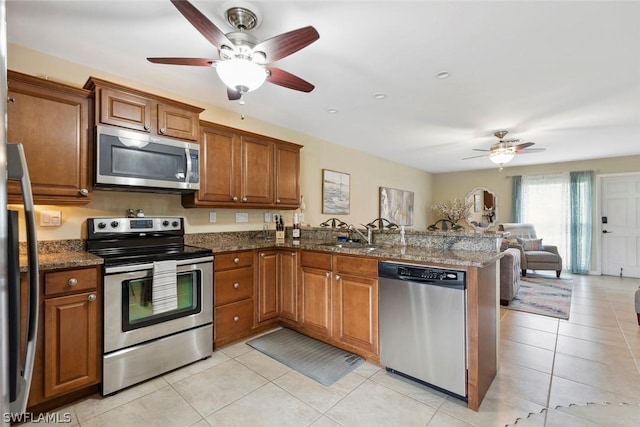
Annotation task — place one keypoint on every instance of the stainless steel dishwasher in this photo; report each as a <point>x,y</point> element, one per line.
<point>423,327</point>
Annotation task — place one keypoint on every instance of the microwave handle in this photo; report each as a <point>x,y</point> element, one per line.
<point>187,176</point>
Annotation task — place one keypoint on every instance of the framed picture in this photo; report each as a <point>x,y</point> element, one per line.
<point>335,192</point>
<point>396,205</point>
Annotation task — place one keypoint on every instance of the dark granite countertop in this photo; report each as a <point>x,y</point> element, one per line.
<point>60,260</point>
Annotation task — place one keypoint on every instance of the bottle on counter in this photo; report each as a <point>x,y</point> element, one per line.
<point>296,227</point>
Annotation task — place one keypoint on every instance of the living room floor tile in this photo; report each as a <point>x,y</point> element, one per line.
<point>536,338</point>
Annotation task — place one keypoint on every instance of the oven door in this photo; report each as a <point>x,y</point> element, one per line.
<point>129,317</point>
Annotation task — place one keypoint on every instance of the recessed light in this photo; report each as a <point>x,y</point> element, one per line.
<point>332,110</point>
<point>442,75</point>
<point>379,95</point>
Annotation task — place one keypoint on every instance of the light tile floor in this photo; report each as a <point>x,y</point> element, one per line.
<point>549,370</point>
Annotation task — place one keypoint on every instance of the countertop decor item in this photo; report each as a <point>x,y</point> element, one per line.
<point>334,223</point>
<point>382,223</point>
<point>453,210</point>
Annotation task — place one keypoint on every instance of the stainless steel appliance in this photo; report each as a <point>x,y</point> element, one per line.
<point>158,298</point>
<point>132,159</point>
<point>423,328</point>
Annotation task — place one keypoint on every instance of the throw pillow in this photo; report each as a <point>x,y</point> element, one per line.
<point>531,244</point>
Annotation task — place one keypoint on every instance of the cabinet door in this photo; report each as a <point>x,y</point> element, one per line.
<point>52,123</point>
<point>287,175</point>
<point>127,110</point>
<point>268,292</point>
<point>219,166</point>
<point>257,170</point>
<point>71,357</point>
<point>356,311</point>
<point>315,293</point>
<point>178,122</point>
<point>288,267</point>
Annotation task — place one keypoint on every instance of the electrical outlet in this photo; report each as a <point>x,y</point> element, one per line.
<point>267,217</point>
<point>212,216</point>
<point>242,217</point>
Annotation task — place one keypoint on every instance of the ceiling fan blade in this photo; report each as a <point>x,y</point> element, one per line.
<point>522,146</point>
<point>207,28</point>
<point>233,94</point>
<point>480,149</point>
<point>474,157</point>
<point>199,62</point>
<point>285,44</point>
<point>531,150</point>
<point>283,78</point>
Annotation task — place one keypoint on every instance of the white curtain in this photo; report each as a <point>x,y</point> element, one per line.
<point>546,205</point>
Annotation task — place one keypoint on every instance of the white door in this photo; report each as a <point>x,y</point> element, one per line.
<point>621,231</point>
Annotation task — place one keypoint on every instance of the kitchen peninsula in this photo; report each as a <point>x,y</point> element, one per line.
<point>330,292</point>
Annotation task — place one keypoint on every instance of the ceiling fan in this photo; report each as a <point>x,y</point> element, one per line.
<point>243,64</point>
<point>504,150</point>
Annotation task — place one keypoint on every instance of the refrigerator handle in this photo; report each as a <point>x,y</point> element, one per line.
<point>17,170</point>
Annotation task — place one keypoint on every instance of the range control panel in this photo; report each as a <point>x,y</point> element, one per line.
<point>133,225</point>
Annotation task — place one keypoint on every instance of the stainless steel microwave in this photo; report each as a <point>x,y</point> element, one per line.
<point>146,162</point>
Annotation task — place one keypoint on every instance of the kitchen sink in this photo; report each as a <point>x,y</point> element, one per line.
<point>351,245</point>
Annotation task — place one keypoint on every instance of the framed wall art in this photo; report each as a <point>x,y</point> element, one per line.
<point>396,205</point>
<point>335,192</point>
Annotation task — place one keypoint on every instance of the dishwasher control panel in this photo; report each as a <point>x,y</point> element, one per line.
<point>421,273</point>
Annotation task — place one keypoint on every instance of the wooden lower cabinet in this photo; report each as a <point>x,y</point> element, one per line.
<point>69,348</point>
<point>233,296</point>
<point>288,276</point>
<point>268,286</point>
<point>315,293</point>
<point>70,343</point>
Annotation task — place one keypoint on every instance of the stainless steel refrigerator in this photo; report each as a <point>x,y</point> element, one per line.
<point>16,361</point>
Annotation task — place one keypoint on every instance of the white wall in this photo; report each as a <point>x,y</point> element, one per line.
<point>367,172</point>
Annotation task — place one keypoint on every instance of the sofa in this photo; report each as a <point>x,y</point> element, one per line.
<point>509,275</point>
<point>534,255</point>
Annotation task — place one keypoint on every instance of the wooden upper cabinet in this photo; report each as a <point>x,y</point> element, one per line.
<point>257,170</point>
<point>144,112</point>
<point>51,120</point>
<point>287,184</point>
<point>239,168</point>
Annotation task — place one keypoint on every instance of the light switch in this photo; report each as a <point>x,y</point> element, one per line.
<point>50,218</point>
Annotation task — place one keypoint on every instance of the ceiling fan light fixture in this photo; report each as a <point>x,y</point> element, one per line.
<point>241,74</point>
<point>502,155</point>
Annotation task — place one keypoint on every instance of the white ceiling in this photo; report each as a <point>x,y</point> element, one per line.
<point>565,75</point>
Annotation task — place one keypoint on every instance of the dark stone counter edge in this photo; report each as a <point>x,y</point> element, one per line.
<point>64,260</point>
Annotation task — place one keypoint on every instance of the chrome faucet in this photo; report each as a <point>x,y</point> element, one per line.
<point>367,238</point>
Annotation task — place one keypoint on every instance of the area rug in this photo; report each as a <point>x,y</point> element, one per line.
<point>315,359</point>
<point>545,296</point>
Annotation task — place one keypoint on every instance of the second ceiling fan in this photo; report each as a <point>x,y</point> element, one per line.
<point>505,149</point>
<point>244,62</point>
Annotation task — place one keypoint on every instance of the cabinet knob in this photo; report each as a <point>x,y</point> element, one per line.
<point>91,297</point>
<point>236,260</point>
<point>327,274</point>
<point>72,282</point>
<point>277,200</point>
<point>337,277</point>
<point>11,99</point>
<point>84,192</point>
<point>293,254</point>
<point>261,253</point>
<point>162,131</point>
<point>236,318</point>
<point>236,285</point>
<point>244,199</point>
<point>146,127</point>
<point>234,198</point>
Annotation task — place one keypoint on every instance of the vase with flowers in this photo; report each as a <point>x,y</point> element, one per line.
<point>452,211</point>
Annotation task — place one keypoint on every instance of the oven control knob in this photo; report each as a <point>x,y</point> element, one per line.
<point>101,225</point>
<point>165,223</point>
<point>175,223</point>
<point>114,224</point>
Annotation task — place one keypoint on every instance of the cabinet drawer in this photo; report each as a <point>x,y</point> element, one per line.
<point>59,282</point>
<point>232,285</point>
<point>319,260</point>
<point>233,260</point>
<point>233,319</point>
<point>365,267</point>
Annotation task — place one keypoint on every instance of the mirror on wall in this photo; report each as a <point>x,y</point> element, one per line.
<point>484,208</point>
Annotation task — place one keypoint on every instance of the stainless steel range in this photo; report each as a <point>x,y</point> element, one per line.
<point>158,298</point>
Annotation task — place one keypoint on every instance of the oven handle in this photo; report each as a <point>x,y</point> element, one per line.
<point>148,266</point>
